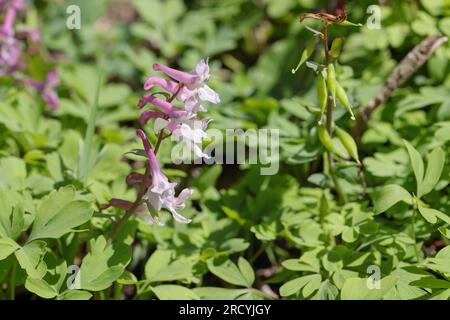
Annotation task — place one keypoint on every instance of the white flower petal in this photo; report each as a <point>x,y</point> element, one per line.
<point>202,70</point>
<point>178,217</point>
<point>205,93</point>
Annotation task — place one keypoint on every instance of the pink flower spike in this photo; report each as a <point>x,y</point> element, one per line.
<point>7,28</point>
<point>183,77</point>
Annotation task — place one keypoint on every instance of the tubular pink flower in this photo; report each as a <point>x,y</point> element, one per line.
<point>164,106</point>
<point>7,28</point>
<point>149,114</point>
<point>51,98</point>
<point>47,88</point>
<point>168,85</point>
<point>181,76</point>
<point>171,86</point>
<point>158,177</point>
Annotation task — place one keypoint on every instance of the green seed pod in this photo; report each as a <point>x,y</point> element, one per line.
<point>325,138</point>
<point>342,96</point>
<point>331,80</point>
<point>309,50</point>
<point>322,95</point>
<point>336,47</point>
<point>348,142</point>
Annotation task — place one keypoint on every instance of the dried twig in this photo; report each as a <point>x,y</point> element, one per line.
<point>405,69</point>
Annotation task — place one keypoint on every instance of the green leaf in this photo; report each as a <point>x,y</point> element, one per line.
<point>417,165</point>
<point>388,196</point>
<point>41,288</point>
<point>293,286</point>
<point>12,220</point>
<point>214,293</point>
<point>357,289</point>
<point>227,271</point>
<point>13,172</point>
<point>349,234</point>
<point>234,215</point>
<point>435,213</point>
<point>17,221</point>
<point>436,161</point>
<point>159,260</point>
<point>431,283</point>
<point>445,232</point>
<point>180,269</point>
<point>104,264</point>
<point>7,247</point>
<point>327,291</point>
<point>174,292</point>
<point>57,215</point>
<point>128,278</point>
<point>75,295</point>
<point>247,271</point>
<point>49,286</point>
<point>312,286</point>
<point>428,214</point>
<point>31,258</point>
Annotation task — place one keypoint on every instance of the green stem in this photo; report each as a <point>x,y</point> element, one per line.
<point>329,124</point>
<point>102,295</point>
<point>261,249</point>
<point>89,138</point>
<point>12,281</point>
<point>413,226</point>
<point>118,291</point>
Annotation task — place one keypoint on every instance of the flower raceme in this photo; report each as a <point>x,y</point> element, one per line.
<point>155,191</point>
<point>11,45</point>
<point>191,89</point>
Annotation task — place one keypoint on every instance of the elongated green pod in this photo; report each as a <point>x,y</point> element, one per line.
<point>348,142</point>
<point>331,81</point>
<point>322,95</point>
<point>336,47</point>
<point>342,96</point>
<point>325,138</point>
<point>309,50</point>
